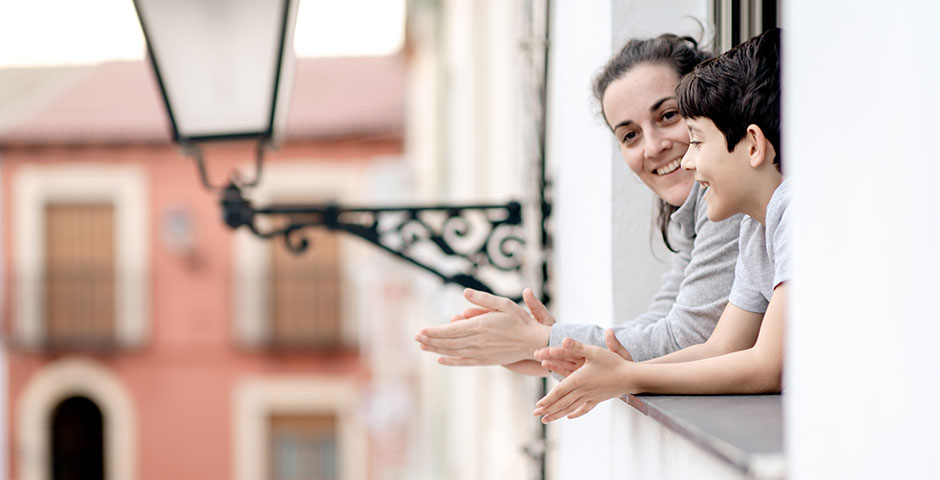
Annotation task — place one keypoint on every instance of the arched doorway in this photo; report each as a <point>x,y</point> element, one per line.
<point>77,440</point>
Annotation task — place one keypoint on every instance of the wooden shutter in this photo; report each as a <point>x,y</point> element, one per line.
<point>79,275</point>
<point>306,293</point>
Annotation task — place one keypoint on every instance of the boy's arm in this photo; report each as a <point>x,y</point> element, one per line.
<point>605,375</point>
<point>737,329</point>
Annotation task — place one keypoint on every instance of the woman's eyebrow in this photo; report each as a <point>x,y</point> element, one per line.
<point>660,102</point>
<point>622,124</point>
<point>653,108</point>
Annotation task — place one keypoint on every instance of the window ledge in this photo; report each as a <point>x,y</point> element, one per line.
<point>744,430</point>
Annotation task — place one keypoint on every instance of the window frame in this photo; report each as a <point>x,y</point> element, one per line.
<point>123,186</point>
<point>257,399</point>
<point>738,20</point>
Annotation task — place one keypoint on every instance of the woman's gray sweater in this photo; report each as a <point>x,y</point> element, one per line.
<point>693,292</point>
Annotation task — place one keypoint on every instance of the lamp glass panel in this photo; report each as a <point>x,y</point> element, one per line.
<point>217,60</point>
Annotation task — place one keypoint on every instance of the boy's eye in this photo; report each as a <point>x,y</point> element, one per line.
<point>670,115</point>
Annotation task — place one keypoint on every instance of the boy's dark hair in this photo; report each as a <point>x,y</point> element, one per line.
<point>740,87</point>
<point>678,53</point>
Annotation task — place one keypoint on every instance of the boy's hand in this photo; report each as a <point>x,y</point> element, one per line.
<point>495,332</point>
<point>527,367</point>
<point>564,362</point>
<point>559,360</point>
<point>600,378</point>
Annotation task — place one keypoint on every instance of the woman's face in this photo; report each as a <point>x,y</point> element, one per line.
<point>641,109</point>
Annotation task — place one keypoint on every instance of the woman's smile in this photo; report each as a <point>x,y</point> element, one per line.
<point>671,167</point>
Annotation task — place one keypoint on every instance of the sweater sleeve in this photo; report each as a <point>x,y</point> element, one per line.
<point>699,300</point>
<point>662,303</point>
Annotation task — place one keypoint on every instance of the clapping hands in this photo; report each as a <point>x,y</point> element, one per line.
<point>496,331</point>
<point>592,376</point>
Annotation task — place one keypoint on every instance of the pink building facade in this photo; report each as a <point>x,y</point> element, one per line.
<point>182,345</point>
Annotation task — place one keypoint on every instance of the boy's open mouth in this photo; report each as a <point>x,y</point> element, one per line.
<point>672,167</point>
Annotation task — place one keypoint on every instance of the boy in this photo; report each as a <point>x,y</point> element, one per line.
<point>732,108</point>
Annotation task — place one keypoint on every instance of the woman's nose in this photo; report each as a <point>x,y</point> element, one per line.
<point>655,145</point>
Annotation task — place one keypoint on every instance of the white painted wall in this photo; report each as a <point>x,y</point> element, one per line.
<point>860,124</point>
<point>579,146</point>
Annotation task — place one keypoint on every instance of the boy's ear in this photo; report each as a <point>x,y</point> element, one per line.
<point>759,149</point>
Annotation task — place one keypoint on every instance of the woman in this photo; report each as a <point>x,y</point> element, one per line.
<point>636,91</point>
<point>732,107</point>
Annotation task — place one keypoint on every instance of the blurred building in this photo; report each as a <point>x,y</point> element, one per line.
<point>475,70</point>
<point>146,340</point>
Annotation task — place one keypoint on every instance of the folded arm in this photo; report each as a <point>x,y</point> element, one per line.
<point>757,369</point>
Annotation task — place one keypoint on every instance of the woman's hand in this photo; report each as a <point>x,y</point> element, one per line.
<point>495,332</point>
<point>602,376</point>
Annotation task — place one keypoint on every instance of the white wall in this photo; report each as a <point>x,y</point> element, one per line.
<point>861,120</point>
<point>578,144</point>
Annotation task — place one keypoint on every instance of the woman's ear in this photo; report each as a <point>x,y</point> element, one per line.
<point>759,149</point>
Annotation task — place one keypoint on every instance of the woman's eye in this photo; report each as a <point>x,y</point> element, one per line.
<point>695,144</point>
<point>629,136</point>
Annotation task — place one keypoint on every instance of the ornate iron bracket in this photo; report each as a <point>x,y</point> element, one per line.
<point>491,240</point>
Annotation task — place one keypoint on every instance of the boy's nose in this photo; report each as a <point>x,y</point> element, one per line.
<point>688,163</point>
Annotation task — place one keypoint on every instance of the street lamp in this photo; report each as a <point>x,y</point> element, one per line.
<point>224,69</point>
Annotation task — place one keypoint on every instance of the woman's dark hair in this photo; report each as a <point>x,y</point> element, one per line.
<point>679,53</point>
<point>737,89</point>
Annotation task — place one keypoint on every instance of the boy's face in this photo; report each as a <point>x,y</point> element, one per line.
<point>723,172</point>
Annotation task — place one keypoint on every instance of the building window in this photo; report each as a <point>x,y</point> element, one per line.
<point>77,440</point>
<point>283,300</point>
<point>738,20</point>
<point>81,245</point>
<point>295,426</point>
<point>303,447</point>
<point>79,275</point>
<point>305,291</point>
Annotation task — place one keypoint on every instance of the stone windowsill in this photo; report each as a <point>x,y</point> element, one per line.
<point>744,430</point>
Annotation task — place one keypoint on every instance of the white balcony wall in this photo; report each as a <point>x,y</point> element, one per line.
<point>860,113</point>
<point>580,147</point>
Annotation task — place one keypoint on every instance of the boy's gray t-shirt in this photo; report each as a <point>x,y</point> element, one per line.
<point>764,258</point>
<point>693,292</point>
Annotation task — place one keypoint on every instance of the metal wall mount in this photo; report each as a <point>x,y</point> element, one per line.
<point>472,238</point>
